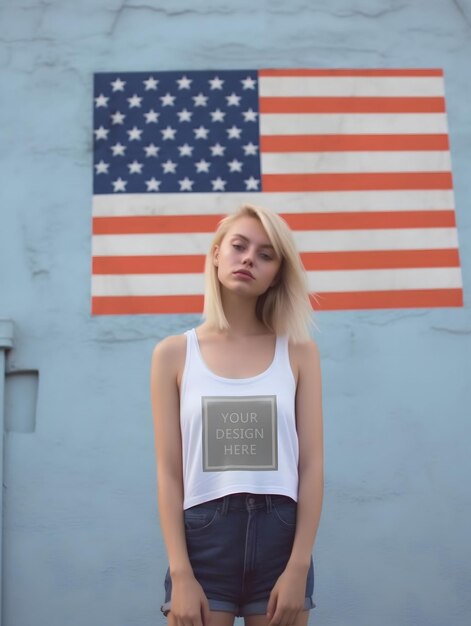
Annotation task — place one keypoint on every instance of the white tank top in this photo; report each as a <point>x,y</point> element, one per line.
<point>238,434</point>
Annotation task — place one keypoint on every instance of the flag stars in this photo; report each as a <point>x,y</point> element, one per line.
<point>251,184</point>
<point>184,82</point>
<point>202,166</point>
<point>135,167</point>
<point>186,184</point>
<point>134,101</point>
<point>151,117</point>
<point>217,150</point>
<point>118,149</point>
<point>216,83</point>
<point>151,83</point>
<point>117,118</point>
<point>184,115</point>
<point>233,132</point>
<point>169,167</point>
<point>167,100</point>
<point>248,83</point>
<point>233,100</point>
<point>235,165</point>
<point>101,133</point>
<point>218,184</point>
<point>134,134</point>
<point>250,149</point>
<point>168,133</point>
<point>217,115</point>
<point>102,167</point>
<point>101,101</point>
<point>181,132</point>
<point>153,184</point>
<point>200,100</point>
<point>151,150</point>
<point>119,184</point>
<point>118,84</point>
<point>250,115</point>
<point>185,150</point>
<point>201,132</point>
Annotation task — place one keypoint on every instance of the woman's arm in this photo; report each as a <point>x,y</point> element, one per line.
<point>311,453</point>
<point>189,604</point>
<point>288,595</point>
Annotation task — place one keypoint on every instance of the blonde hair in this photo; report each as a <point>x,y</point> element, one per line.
<point>285,307</point>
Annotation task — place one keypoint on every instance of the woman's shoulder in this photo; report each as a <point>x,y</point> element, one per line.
<point>304,353</point>
<point>171,349</point>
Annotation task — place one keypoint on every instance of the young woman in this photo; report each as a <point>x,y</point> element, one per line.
<point>238,430</point>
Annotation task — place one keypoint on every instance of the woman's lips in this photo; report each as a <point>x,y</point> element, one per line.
<point>243,274</point>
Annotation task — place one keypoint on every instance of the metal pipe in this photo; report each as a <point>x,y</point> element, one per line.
<point>6,343</point>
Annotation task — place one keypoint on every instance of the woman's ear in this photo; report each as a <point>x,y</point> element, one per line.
<point>216,255</point>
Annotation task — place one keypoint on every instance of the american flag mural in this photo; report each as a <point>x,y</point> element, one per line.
<point>356,161</point>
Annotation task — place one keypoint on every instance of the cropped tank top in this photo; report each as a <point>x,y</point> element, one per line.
<point>238,434</point>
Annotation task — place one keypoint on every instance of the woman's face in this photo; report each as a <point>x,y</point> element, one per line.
<point>246,261</point>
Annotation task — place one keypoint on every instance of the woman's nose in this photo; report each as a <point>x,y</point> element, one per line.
<point>248,258</point>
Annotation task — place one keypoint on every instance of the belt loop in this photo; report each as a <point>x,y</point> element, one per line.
<point>268,502</point>
<point>225,505</point>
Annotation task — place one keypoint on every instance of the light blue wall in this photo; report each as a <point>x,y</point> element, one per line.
<point>81,537</point>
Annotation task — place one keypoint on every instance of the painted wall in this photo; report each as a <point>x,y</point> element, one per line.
<point>81,538</point>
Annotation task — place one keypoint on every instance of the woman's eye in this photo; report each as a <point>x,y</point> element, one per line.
<point>237,246</point>
<point>265,257</point>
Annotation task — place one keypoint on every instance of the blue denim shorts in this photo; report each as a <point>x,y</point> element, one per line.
<point>238,546</point>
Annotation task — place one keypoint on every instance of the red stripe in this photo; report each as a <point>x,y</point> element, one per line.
<point>312,261</point>
<point>165,264</point>
<point>129,224</point>
<point>379,259</point>
<point>351,143</point>
<point>419,298</point>
<point>374,219</point>
<point>351,72</point>
<point>423,298</point>
<point>356,182</point>
<point>132,305</point>
<point>152,224</point>
<point>352,105</point>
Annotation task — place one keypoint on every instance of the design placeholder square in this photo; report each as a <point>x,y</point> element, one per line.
<point>239,433</point>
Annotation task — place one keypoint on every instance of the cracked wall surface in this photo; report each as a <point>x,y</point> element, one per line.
<point>81,536</point>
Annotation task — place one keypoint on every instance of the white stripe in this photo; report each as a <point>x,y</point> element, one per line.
<point>352,123</point>
<point>379,280</point>
<point>148,285</point>
<point>338,162</point>
<point>306,241</point>
<point>388,239</point>
<point>153,244</point>
<point>114,205</point>
<point>350,86</point>
<point>328,281</point>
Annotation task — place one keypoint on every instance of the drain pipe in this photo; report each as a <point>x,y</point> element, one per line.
<point>6,342</point>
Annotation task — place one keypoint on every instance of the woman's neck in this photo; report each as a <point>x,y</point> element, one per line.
<point>240,313</point>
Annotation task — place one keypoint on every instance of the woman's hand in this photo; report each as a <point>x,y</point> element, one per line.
<point>190,606</point>
<point>287,597</point>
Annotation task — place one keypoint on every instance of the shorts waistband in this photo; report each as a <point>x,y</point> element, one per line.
<point>250,502</point>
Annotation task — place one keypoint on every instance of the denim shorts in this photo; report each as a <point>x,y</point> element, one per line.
<point>238,546</point>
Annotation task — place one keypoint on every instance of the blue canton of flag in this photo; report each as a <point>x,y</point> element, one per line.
<point>173,132</point>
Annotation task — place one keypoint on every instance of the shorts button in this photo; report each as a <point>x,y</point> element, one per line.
<point>251,500</point>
